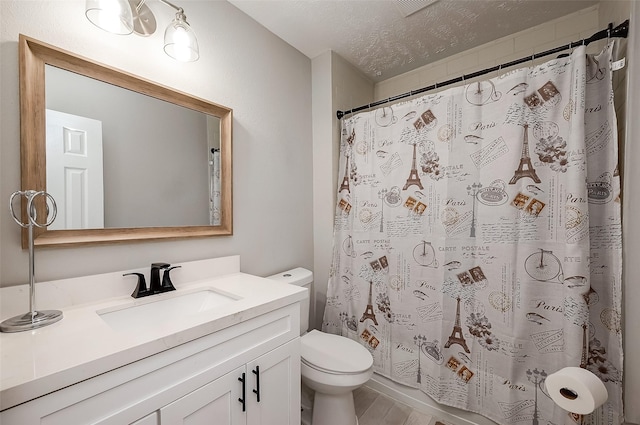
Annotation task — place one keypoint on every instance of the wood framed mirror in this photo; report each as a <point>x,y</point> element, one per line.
<point>152,166</point>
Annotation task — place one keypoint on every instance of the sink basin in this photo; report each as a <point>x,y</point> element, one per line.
<point>166,308</point>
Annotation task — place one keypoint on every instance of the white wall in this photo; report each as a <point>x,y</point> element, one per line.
<point>265,81</point>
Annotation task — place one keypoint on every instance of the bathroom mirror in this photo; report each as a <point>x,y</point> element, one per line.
<point>159,182</point>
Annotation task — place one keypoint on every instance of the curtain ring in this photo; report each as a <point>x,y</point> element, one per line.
<point>435,86</point>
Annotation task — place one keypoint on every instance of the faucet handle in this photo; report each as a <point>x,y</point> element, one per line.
<point>141,288</point>
<point>167,285</point>
<point>155,286</point>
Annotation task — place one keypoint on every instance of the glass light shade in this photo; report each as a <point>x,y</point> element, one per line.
<point>180,41</point>
<point>114,16</point>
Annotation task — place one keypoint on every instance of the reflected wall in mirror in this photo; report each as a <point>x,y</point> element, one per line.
<point>125,158</point>
<point>109,147</point>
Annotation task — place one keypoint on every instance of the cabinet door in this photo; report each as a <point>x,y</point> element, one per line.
<point>278,375</point>
<point>215,403</point>
<point>151,419</point>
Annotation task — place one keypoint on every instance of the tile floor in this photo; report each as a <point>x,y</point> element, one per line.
<point>373,408</point>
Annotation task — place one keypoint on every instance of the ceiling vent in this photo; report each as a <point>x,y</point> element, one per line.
<point>409,7</point>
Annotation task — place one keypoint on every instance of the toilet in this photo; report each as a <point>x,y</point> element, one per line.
<point>331,365</point>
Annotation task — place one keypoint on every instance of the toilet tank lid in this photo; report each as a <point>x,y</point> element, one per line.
<point>298,276</point>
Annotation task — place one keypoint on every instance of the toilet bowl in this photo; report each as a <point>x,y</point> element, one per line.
<point>331,365</point>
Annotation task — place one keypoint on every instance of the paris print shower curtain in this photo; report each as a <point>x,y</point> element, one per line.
<point>477,240</point>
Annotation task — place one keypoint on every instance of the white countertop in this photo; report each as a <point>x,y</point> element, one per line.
<point>83,345</point>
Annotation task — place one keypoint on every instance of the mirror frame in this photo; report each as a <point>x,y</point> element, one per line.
<point>33,56</point>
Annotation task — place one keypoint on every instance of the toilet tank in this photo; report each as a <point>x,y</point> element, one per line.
<point>299,277</point>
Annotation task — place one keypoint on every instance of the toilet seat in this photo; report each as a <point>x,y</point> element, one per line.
<point>328,371</point>
<point>334,354</point>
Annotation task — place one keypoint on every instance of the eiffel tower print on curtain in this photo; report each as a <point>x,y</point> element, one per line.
<point>525,169</point>
<point>345,180</point>
<point>368,312</point>
<point>456,335</point>
<point>414,178</point>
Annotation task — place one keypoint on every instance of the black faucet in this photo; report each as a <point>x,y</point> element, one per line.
<point>155,286</point>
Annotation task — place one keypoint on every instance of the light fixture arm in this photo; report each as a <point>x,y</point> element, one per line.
<point>142,2</point>
<point>139,5</point>
<point>179,9</point>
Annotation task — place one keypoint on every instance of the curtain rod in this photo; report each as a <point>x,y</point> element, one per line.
<point>621,31</point>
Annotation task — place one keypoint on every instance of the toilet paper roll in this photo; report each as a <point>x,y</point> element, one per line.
<point>576,390</point>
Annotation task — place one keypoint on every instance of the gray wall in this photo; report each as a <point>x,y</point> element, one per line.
<point>265,81</point>
<point>336,85</point>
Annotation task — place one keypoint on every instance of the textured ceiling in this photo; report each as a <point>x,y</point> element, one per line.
<point>377,38</point>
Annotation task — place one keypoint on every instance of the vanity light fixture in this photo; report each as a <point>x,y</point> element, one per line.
<point>134,16</point>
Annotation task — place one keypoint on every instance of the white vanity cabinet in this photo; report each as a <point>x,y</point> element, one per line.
<point>217,401</point>
<point>279,372</point>
<point>233,398</point>
<point>192,383</point>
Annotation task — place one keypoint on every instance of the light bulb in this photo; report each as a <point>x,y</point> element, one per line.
<point>113,16</point>
<point>180,41</point>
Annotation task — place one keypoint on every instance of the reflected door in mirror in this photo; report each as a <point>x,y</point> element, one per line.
<point>74,170</point>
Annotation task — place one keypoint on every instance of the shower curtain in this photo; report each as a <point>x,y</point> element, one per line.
<point>477,240</point>
<point>214,187</point>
